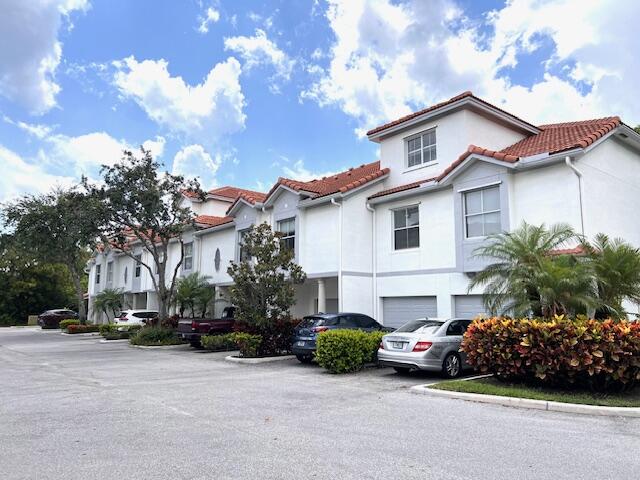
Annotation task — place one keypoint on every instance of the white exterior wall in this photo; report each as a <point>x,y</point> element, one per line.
<point>318,239</point>
<point>224,240</point>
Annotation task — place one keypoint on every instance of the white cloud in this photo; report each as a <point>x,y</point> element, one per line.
<point>210,16</point>
<point>299,172</point>
<point>31,52</point>
<point>206,112</point>
<point>37,130</point>
<point>259,50</point>
<point>193,161</point>
<point>389,59</point>
<point>21,177</point>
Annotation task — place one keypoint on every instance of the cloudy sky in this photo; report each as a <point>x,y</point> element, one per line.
<point>241,92</point>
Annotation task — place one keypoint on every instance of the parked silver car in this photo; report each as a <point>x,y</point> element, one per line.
<point>426,344</point>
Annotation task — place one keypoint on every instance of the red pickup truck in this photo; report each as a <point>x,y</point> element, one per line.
<point>192,329</point>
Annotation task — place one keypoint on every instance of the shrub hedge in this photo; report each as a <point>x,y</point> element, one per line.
<point>344,351</point>
<point>77,328</point>
<point>276,337</point>
<point>584,353</point>
<point>223,342</point>
<point>111,331</point>
<point>155,336</point>
<point>70,321</point>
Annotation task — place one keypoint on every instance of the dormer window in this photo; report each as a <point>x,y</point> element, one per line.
<point>421,148</point>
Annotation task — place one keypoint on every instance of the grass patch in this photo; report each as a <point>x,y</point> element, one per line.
<point>491,386</point>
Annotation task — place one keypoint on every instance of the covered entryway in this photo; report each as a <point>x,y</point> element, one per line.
<point>468,306</point>
<point>397,311</point>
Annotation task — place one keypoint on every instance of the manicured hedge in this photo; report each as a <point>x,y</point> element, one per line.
<point>583,353</point>
<point>155,336</point>
<point>70,321</point>
<point>276,336</point>
<point>223,342</point>
<point>82,328</point>
<point>344,351</point>
<point>111,331</point>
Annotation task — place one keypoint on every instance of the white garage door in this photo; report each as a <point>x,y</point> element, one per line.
<point>468,306</point>
<point>397,311</point>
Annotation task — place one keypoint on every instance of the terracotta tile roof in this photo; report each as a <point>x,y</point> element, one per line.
<point>557,137</point>
<point>210,221</point>
<point>402,188</point>
<point>234,192</point>
<point>190,193</point>
<point>339,183</point>
<point>432,108</point>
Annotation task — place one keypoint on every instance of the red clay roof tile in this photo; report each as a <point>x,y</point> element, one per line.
<point>211,221</point>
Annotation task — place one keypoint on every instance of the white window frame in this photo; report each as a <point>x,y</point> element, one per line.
<point>98,269</point>
<point>394,229</point>
<point>110,271</point>
<point>137,268</point>
<point>189,257</point>
<point>432,148</point>
<point>482,212</point>
<point>241,233</point>
<point>289,236</point>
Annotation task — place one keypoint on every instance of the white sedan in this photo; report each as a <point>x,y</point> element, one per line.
<point>135,317</point>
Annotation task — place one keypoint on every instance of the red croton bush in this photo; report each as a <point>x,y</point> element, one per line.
<point>82,328</point>
<point>563,352</point>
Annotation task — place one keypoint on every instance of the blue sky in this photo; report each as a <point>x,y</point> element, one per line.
<point>241,92</point>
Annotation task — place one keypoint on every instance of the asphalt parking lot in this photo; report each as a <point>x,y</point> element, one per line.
<point>74,408</point>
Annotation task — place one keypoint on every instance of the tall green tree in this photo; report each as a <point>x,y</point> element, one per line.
<point>29,286</point>
<point>616,266</point>
<point>109,301</point>
<point>263,288</point>
<point>144,206</point>
<point>194,293</point>
<point>58,227</point>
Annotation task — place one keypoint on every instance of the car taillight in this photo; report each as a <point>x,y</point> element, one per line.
<point>381,347</point>
<point>194,325</point>
<point>319,329</point>
<point>422,346</point>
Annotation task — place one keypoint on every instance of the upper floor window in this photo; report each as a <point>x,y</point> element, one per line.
<point>482,212</point>
<point>98,268</point>
<point>109,272</point>
<point>406,228</point>
<point>243,254</point>
<point>288,230</point>
<point>421,148</point>
<point>138,268</point>
<point>188,256</point>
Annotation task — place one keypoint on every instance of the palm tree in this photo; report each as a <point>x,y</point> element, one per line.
<point>616,266</point>
<point>109,299</point>
<point>193,291</point>
<point>519,259</point>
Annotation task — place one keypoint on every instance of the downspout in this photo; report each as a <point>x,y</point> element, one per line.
<point>578,173</point>
<point>374,260</point>
<point>339,205</point>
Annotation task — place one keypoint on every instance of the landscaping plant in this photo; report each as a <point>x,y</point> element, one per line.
<point>109,301</point>
<point>222,342</point>
<point>85,328</point>
<point>345,351</point>
<point>561,352</point>
<point>155,336</point>
<point>66,323</point>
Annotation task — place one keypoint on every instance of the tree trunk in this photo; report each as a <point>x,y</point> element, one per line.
<point>77,284</point>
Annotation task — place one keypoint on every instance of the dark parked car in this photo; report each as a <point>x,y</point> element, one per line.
<point>192,329</point>
<point>52,318</point>
<point>305,334</point>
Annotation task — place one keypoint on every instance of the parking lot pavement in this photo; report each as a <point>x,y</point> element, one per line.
<point>74,408</point>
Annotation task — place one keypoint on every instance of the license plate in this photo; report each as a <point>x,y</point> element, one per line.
<point>300,343</point>
<point>399,345</point>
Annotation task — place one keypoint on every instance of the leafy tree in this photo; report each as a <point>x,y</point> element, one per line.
<point>511,282</point>
<point>143,206</point>
<point>29,286</point>
<point>637,129</point>
<point>263,287</point>
<point>616,266</point>
<point>108,301</point>
<point>194,292</point>
<point>59,227</point>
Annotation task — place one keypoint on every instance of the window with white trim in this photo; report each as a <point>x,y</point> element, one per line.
<point>109,272</point>
<point>98,268</point>
<point>243,254</point>
<point>482,212</point>
<point>406,228</point>
<point>287,228</point>
<point>138,268</point>
<point>421,148</point>
<point>187,262</point>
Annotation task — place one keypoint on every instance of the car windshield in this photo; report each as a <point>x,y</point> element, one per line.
<point>421,326</point>
<point>317,322</point>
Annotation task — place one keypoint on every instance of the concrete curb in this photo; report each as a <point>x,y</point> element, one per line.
<point>114,341</point>
<point>252,361</point>
<point>530,403</point>
<point>153,347</point>
<point>88,334</point>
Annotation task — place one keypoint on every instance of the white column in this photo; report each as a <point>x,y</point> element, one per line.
<point>322,296</point>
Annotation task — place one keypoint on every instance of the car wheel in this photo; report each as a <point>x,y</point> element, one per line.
<point>402,370</point>
<point>304,358</point>
<point>452,366</point>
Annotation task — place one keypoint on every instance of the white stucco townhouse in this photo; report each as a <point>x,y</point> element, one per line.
<point>394,238</point>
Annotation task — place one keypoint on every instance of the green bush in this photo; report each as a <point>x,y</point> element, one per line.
<point>155,336</point>
<point>70,321</point>
<point>223,342</point>
<point>344,351</point>
<point>82,328</point>
<point>112,330</point>
<point>248,344</point>
<point>581,353</point>
<point>106,328</point>
<point>276,335</point>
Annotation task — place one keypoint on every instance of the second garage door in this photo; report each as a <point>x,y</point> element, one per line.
<point>397,311</point>
<point>468,306</point>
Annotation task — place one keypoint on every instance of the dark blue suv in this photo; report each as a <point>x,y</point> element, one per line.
<point>304,338</point>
